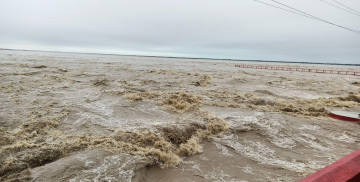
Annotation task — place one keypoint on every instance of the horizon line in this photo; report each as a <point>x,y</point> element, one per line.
<point>178,57</point>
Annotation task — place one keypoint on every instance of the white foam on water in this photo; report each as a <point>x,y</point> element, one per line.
<point>265,155</point>
<point>112,168</point>
<point>153,109</point>
<point>217,175</point>
<point>274,129</point>
<point>223,149</point>
<point>203,157</point>
<point>247,169</point>
<point>309,127</point>
<point>193,164</point>
<point>311,141</point>
<point>99,120</point>
<point>342,137</point>
<point>88,163</point>
<point>283,142</point>
<point>101,107</point>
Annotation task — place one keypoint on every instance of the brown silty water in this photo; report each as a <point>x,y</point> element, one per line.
<point>87,117</point>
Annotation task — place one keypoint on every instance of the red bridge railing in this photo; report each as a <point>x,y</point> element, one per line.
<point>299,69</point>
<point>346,169</point>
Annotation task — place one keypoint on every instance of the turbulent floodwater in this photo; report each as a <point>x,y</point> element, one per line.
<point>85,117</point>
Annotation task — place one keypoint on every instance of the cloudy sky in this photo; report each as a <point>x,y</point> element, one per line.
<point>237,29</point>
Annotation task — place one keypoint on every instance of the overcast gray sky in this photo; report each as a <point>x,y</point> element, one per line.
<point>237,29</point>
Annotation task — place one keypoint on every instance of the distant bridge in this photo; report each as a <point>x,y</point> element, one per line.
<point>310,70</point>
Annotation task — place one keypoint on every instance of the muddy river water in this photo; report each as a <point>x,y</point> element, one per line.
<point>87,117</point>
